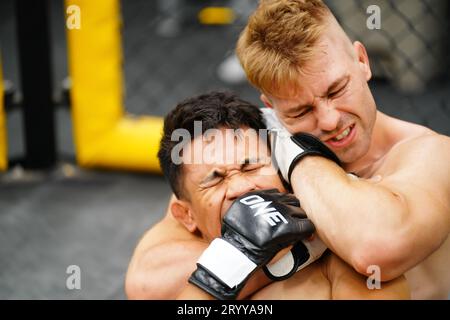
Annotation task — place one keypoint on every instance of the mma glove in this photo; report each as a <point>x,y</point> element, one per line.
<point>288,149</point>
<point>255,228</point>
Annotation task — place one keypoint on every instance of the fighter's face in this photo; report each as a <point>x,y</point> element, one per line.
<point>332,99</point>
<point>233,168</point>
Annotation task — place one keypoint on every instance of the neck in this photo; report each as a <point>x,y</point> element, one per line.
<point>380,144</point>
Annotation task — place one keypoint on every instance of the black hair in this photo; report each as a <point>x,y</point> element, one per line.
<point>215,110</point>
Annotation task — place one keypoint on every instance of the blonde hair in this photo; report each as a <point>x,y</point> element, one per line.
<point>279,38</point>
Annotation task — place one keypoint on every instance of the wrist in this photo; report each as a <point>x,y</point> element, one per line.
<point>309,146</point>
<point>207,282</point>
<point>305,165</point>
<point>222,270</point>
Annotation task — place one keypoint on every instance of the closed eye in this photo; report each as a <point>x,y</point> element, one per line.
<point>338,92</point>
<point>303,113</point>
<point>252,167</point>
<point>335,94</point>
<point>212,180</point>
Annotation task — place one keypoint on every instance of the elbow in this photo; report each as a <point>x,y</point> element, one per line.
<point>384,259</point>
<point>387,249</point>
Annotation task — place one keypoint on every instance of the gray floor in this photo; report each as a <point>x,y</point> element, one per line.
<point>93,219</point>
<point>89,219</point>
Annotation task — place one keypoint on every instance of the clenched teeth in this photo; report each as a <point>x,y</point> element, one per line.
<point>342,135</point>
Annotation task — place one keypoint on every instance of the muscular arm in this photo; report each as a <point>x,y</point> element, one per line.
<point>395,223</point>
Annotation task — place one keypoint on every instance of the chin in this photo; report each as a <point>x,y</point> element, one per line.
<point>353,154</point>
<point>347,160</point>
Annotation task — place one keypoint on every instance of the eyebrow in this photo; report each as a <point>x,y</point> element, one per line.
<point>336,83</point>
<point>248,161</point>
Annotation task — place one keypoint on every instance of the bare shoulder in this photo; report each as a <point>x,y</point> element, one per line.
<point>429,152</point>
<point>428,141</point>
<point>417,171</point>
<point>168,229</point>
<point>409,141</point>
<point>165,249</point>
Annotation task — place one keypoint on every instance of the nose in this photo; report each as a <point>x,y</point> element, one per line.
<point>327,116</point>
<point>239,185</point>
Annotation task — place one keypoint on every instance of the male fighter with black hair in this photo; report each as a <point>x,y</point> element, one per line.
<point>227,224</point>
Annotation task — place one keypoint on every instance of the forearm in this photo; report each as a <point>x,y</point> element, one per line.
<point>358,220</point>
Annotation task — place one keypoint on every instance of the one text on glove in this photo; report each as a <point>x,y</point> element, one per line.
<point>269,214</point>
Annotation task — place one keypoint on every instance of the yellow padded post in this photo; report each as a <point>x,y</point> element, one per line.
<point>3,143</point>
<point>104,136</point>
<point>216,15</point>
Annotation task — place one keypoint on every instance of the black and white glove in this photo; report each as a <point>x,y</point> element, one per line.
<point>288,149</point>
<point>256,227</point>
<point>302,254</point>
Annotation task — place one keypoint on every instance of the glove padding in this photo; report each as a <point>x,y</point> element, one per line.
<point>288,149</point>
<point>302,254</point>
<point>255,228</point>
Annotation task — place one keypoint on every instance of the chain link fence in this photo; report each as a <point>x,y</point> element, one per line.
<point>169,55</point>
<point>409,47</point>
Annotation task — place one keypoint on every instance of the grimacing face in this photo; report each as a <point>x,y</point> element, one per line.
<point>333,100</point>
<point>233,168</point>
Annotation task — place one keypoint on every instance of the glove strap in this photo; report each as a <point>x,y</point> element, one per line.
<point>226,263</point>
<point>301,255</point>
<point>310,145</point>
<point>288,264</point>
<point>203,279</point>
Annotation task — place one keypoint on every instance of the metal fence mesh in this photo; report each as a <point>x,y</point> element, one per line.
<point>410,47</point>
<point>165,63</point>
<point>169,55</point>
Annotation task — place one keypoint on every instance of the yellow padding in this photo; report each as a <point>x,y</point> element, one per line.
<point>132,144</point>
<point>216,15</point>
<point>104,136</point>
<point>3,142</point>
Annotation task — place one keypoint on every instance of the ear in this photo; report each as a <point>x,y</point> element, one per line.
<point>266,101</point>
<point>181,210</point>
<point>363,59</point>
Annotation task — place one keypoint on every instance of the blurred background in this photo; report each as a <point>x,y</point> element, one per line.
<point>58,213</point>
